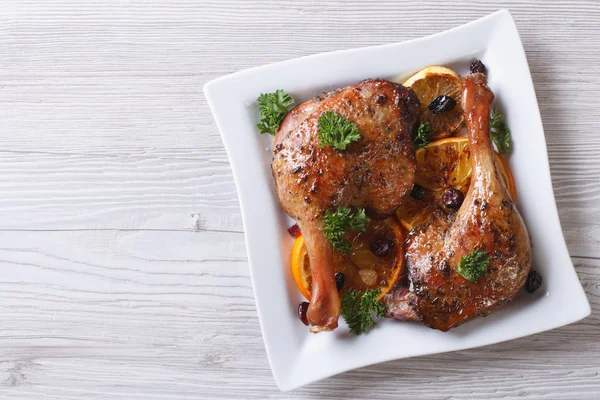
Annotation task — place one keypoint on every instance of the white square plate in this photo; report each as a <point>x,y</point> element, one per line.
<point>298,357</point>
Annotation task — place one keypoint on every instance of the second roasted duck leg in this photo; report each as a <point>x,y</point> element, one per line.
<point>487,224</point>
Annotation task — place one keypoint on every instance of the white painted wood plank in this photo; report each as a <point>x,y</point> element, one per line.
<point>122,265</point>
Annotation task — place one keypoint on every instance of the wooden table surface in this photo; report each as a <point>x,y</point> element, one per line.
<point>123,270</point>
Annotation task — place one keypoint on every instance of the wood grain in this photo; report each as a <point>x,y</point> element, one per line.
<point>123,269</point>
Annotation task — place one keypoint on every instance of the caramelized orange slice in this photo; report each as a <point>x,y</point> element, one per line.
<point>430,83</point>
<point>374,262</point>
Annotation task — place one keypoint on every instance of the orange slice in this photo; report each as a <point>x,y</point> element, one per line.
<point>413,212</point>
<point>430,83</point>
<point>362,268</point>
<point>441,165</point>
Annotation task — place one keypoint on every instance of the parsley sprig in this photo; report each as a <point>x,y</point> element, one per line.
<point>500,133</point>
<point>340,222</point>
<point>336,131</point>
<point>358,309</point>
<point>473,266</point>
<point>424,135</point>
<point>273,107</point>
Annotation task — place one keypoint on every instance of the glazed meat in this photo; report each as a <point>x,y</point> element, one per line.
<point>375,172</point>
<point>487,220</point>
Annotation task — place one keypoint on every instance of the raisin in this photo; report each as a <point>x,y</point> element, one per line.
<point>441,104</point>
<point>340,278</point>
<point>453,198</point>
<point>534,281</point>
<point>294,231</point>
<point>477,66</point>
<point>417,192</point>
<point>382,247</point>
<point>302,310</point>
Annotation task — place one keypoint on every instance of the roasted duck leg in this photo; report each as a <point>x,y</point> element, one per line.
<point>375,172</point>
<point>487,221</point>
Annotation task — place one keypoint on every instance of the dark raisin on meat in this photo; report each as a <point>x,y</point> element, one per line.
<point>478,66</point>
<point>417,192</point>
<point>441,104</point>
<point>340,278</point>
<point>302,310</point>
<point>294,231</point>
<point>382,247</point>
<point>453,198</point>
<point>534,281</point>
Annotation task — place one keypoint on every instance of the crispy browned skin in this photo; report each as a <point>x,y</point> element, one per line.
<point>487,220</point>
<point>375,172</point>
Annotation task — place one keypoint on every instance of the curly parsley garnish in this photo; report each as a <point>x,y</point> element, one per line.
<point>424,135</point>
<point>473,266</point>
<point>500,133</point>
<point>358,309</point>
<point>338,223</point>
<point>273,107</point>
<point>336,131</point>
